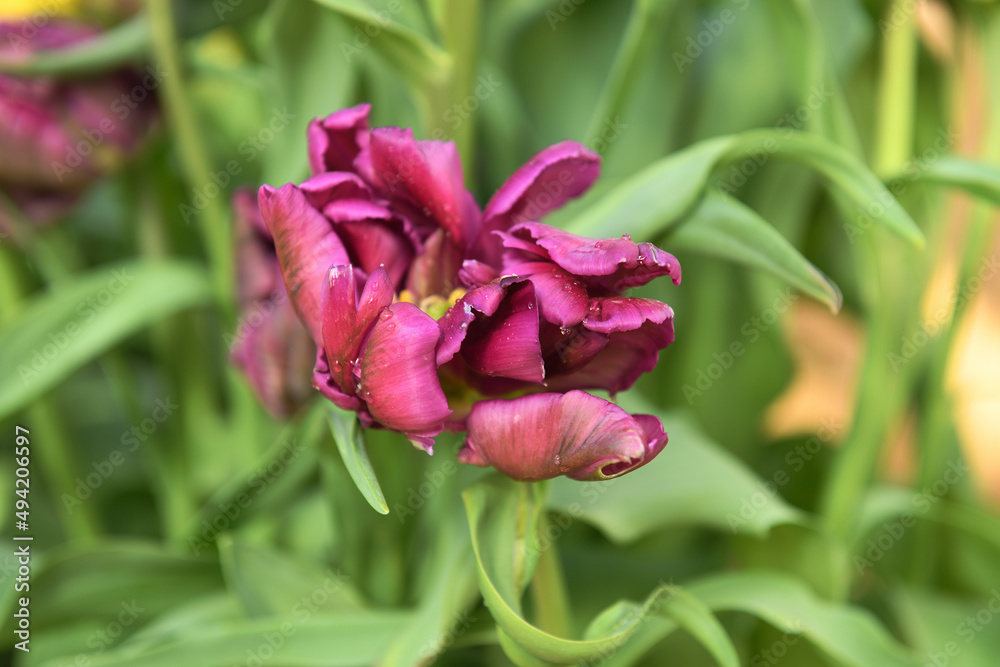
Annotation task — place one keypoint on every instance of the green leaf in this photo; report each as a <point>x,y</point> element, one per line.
<point>124,43</point>
<point>693,481</point>
<point>651,202</point>
<point>351,443</point>
<point>77,321</point>
<point>269,583</point>
<point>939,626</point>
<point>352,639</point>
<point>74,583</point>
<point>503,515</point>
<point>850,636</point>
<point>691,614</point>
<point>723,227</point>
<point>303,48</point>
<point>417,59</point>
<point>503,518</point>
<point>977,178</point>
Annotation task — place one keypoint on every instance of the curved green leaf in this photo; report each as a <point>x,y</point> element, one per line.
<point>351,443</point>
<point>657,198</point>
<point>503,518</point>
<point>850,636</point>
<point>977,178</point>
<point>417,59</point>
<point>74,323</point>
<point>352,639</point>
<point>723,227</point>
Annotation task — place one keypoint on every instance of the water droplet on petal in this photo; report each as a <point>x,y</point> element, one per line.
<point>599,244</point>
<point>531,306</point>
<point>390,326</point>
<point>564,330</point>
<point>386,314</point>
<point>567,287</point>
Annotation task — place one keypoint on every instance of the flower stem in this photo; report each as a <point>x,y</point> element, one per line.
<point>548,591</point>
<point>214,219</point>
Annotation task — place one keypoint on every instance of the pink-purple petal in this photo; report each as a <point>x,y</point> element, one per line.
<point>330,186</point>
<point>623,313</point>
<point>335,141</point>
<point>627,356</point>
<point>505,344</point>
<point>562,298</point>
<point>544,183</point>
<point>346,324</point>
<point>541,436</point>
<point>398,379</point>
<point>427,172</point>
<point>307,247</point>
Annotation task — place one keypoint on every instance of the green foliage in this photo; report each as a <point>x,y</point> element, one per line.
<point>788,147</point>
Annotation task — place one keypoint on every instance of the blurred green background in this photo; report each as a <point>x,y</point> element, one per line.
<point>831,487</point>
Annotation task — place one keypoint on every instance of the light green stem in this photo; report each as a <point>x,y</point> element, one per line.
<point>213,220</point>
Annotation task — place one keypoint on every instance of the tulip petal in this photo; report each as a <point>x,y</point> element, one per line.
<point>336,140</point>
<point>476,274</point>
<point>568,350</point>
<point>623,360</point>
<point>399,379</point>
<point>330,186</point>
<point>611,264</point>
<point>346,323</point>
<point>622,313</point>
<point>505,343</point>
<point>373,236</point>
<point>544,183</point>
<point>324,382</point>
<point>435,268</point>
<point>429,173</point>
<point>307,247</point>
<point>541,436</point>
<point>562,298</point>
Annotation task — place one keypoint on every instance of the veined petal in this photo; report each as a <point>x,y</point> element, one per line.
<point>307,247</point>
<point>435,268</point>
<point>611,264</point>
<point>566,350</point>
<point>324,382</point>
<point>336,140</point>
<point>544,183</point>
<point>541,436</point>
<point>373,236</point>
<point>427,172</point>
<point>505,343</point>
<point>623,313</point>
<point>330,186</point>
<point>562,297</point>
<point>627,355</point>
<point>476,274</point>
<point>346,323</point>
<point>399,379</point>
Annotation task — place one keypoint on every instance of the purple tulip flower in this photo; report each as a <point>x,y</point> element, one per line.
<point>430,314</point>
<point>58,136</point>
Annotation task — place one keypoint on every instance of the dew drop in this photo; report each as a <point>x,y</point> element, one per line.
<point>390,326</point>
<point>564,330</point>
<point>531,306</point>
<point>386,314</point>
<point>599,244</point>
<point>567,287</point>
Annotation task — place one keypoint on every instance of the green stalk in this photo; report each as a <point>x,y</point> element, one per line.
<point>548,591</point>
<point>896,102</point>
<point>51,451</point>
<point>459,24</point>
<point>881,398</point>
<point>214,219</point>
<point>638,38</point>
